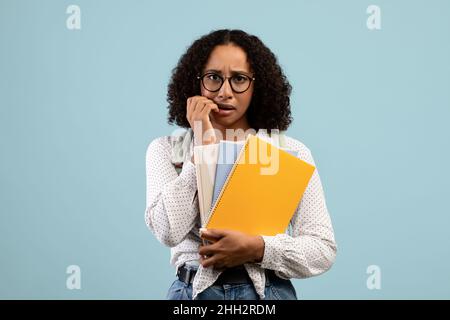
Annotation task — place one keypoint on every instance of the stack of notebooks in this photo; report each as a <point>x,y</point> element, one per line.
<point>250,186</point>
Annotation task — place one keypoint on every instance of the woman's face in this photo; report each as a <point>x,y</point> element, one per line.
<point>226,61</point>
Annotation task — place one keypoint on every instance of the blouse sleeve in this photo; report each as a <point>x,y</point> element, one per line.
<point>171,209</point>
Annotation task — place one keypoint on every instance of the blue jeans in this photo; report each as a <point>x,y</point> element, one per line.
<point>276,289</point>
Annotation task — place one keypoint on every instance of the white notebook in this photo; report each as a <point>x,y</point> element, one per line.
<point>205,158</point>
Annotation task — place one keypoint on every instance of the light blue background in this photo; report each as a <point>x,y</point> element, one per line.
<point>78,109</point>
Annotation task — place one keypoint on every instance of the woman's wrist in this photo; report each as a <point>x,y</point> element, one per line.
<point>257,246</point>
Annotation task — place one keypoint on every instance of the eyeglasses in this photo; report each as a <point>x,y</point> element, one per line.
<point>213,82</point>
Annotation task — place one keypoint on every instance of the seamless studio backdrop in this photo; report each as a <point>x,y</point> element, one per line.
<point>79,105</point>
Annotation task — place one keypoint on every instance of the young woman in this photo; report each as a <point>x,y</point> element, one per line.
<point>229,81</point>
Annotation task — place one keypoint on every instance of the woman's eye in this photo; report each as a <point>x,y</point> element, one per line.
<point>239,79</point>
<point>213,77</point>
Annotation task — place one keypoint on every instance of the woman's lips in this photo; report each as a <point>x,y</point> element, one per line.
<point>225,109</point>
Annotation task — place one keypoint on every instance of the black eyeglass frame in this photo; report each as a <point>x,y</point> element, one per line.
<point>226,78</point>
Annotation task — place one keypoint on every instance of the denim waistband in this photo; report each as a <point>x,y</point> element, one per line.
<point>236,275</point>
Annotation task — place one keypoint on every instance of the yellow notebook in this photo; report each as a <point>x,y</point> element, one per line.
<point>262,191</point>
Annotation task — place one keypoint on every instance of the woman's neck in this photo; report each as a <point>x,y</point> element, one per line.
<point>238,131</point>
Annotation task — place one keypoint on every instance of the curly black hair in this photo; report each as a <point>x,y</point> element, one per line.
<point>270,104</point>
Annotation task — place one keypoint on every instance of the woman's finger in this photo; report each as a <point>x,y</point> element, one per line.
<point>208,262</point>
<point>207,109</point>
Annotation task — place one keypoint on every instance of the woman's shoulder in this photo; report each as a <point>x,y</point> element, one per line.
<point>162,142</point>
<point>167,142</point>
<point>290,143</point>
<point>295,144</point>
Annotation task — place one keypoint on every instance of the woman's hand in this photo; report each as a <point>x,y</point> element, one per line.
<point>230,248</point>
<point>198,109</point>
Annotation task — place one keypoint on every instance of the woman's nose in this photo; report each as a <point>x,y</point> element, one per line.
<point>225,91</point>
